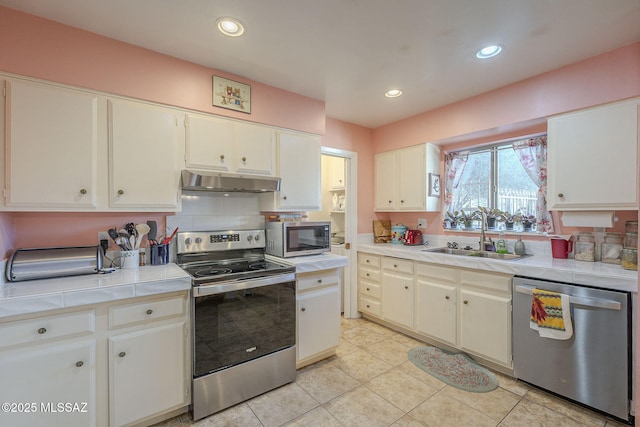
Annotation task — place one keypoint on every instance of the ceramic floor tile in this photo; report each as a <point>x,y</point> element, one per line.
<point>530,414</point>
<point>379,329</point>
<point>362,366</point>
<point>362,407</point>
<point>318,417</point>
<point>443,410</point>
<point>408,341</point>
<point>411,369</point>
<point>345,347</point>
<point>407,421</point>
<point>391,351</point>
<point>512,384</point>
<point>326,382</point>
<point>239,415</point>
<point>573,411</point>
<point>401,389</point>
<point>496,403</point>
<point>362,337</point>
<point>281,405</point>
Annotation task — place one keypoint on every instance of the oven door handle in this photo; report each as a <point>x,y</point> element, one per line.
<point>587,302</point>
<point>220,288</point>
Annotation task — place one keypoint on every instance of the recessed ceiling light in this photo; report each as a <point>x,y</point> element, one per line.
<point>230,27</point>
<point>489,51</point>
<point>393,93</point>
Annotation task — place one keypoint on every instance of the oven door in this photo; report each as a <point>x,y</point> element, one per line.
<point>240,321</point>
<point>306,238</point>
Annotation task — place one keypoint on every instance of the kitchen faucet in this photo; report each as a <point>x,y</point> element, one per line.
<point>483,239</point>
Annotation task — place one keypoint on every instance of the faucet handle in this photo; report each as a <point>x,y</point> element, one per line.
<point>452,245</point>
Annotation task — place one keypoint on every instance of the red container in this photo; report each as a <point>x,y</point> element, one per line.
<point>560,248</point>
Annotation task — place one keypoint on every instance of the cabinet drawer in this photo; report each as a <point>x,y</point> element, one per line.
<point>398,265</point>
<point>439,273</point>
<point>370,289</point>
<point>369,274</point>
<point>370,306</point>
<point>369,260</point>
<point>496,282</point>
<point>47,328</point>
<point>320,279</point>
<point>123,315</point>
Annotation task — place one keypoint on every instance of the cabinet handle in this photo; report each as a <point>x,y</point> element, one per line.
<point>561,195</point>
<point>42,331</point>
<point>244,159</point>
<point>120,192</point>
<point>83,191</point>
<point>79,363</point>
<point>303,309</point>
<point>149,311</point>
<point>122,354</point>
<point>221,156</point>
<point>465,301</point>
<point>446,297</point>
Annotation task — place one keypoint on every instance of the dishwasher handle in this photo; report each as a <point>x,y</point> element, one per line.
<point>587,302</point>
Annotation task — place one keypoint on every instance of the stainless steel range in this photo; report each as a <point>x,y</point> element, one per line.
<point>243,318</point>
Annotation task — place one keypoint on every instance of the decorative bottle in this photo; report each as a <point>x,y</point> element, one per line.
<point>518,247</point>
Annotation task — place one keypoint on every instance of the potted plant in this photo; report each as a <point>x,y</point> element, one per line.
<point>492,216</point>
<point>527,222</point>
<point>450,221</point>
<point>510,219</point>
<point>466,219</point>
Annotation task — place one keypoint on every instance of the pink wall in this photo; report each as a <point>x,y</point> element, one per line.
<point>7,234</point>
<point>45,49</point>
<point>350,137</point>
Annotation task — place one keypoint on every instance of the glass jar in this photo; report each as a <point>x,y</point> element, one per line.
<point>611,248</point>
<point>631,227</point>
<point>631,240</point>
<point>585,247</point>
<point>630,259</point>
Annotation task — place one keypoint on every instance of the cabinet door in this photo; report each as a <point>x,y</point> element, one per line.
<point>318,321</point>
<point>299,168</point>
<point>385,181</point>
<point>412,179</point>
<point>255,149</point>
<point>51,146</point>
<point>46,377</point>
<point>485,325</point>
<point>147,373</point>
<point>144,156</point>
<point>397,298</point>
<point>583,173</point>
<point>209,143</point>
<point>436,310</point>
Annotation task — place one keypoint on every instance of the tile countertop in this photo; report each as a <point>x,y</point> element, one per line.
<point>32,296</point>
<point>597,274</point>
<point>311,263</point>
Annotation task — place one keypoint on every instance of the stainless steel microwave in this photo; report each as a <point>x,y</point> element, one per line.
<point>290,239</point>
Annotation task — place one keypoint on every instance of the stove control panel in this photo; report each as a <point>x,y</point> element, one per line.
<point>206,241</point>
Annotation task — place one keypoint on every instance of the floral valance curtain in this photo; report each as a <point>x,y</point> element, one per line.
<point>532,153</point>
<point>453,166</point>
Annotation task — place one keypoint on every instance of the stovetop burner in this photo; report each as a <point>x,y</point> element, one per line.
<point>227,270</point>
<point>211,271</point>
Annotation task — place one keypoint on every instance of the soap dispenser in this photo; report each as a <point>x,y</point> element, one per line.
<point>518,247</point>
<point>501,245</point>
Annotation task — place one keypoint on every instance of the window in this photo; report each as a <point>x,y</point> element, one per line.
<point>508,178</point>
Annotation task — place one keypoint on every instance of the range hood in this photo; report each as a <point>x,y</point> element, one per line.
<point>228,183</point>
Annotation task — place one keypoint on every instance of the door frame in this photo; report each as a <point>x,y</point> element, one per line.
<point>350,296</point>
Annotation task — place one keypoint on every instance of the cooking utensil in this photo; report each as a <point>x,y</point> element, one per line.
<point>153,231</point>
<point>113,234</point>
<point>168,239</point>
<point>142,230</point>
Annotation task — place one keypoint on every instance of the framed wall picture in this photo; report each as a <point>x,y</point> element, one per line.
<point>434,185</point>
<point>232,95</point>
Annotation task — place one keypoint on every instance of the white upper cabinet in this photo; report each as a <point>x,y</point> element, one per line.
<point>299,170</point>
<point>593,158</point>
<point>51,147</point>
<point>145,153</point>
<point>224,145</point>
<point>401,179</point>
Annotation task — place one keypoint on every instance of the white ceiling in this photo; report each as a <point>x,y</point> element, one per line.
<point>349,52</point>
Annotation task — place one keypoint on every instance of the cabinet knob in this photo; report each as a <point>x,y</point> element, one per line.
<point>368,289</point>
<point>561,195</point>
<point>368,306</point>
<point>319,280</point>
<point>367,261</point>
<point>303,309</point>
<point>120,192</point>
<point>446,297</point>
<point>465,301</point>
<point>221,156</point>
<point>244,159</point>
<point>401,201</point>
<point>395,265</point>
<point>367,274</point>
<point>122,354</point>
<point>79,363</point>
<point>285,197</point>
<point>389,201</point>
<point>149,311</point>
<point>83,191</point>
<point>42,331</point>
<point>406,287</point>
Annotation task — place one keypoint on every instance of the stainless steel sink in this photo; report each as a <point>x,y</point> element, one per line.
<point>475,253</point>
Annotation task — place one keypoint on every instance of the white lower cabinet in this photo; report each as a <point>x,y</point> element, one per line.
<point>318,316</point>
<point>469,310</point>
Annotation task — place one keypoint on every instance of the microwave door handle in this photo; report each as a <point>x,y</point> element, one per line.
<point>586,302</point>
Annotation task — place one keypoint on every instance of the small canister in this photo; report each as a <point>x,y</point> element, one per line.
<point>631,227</point>
<point>631,240</point>
<point>585,247</point>
<point>630,259</point>
<point>397,233</point>
<point>611,248</point>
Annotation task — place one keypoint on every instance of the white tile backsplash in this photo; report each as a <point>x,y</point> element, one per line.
<point>203,211</point>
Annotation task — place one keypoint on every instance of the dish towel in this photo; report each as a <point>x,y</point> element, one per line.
<point>551,314</point>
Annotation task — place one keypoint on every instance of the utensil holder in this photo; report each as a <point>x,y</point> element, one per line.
<point>130,259</point>
<point>159,254</point>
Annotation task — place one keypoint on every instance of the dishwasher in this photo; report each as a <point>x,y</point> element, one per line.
<point>593,367</point>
